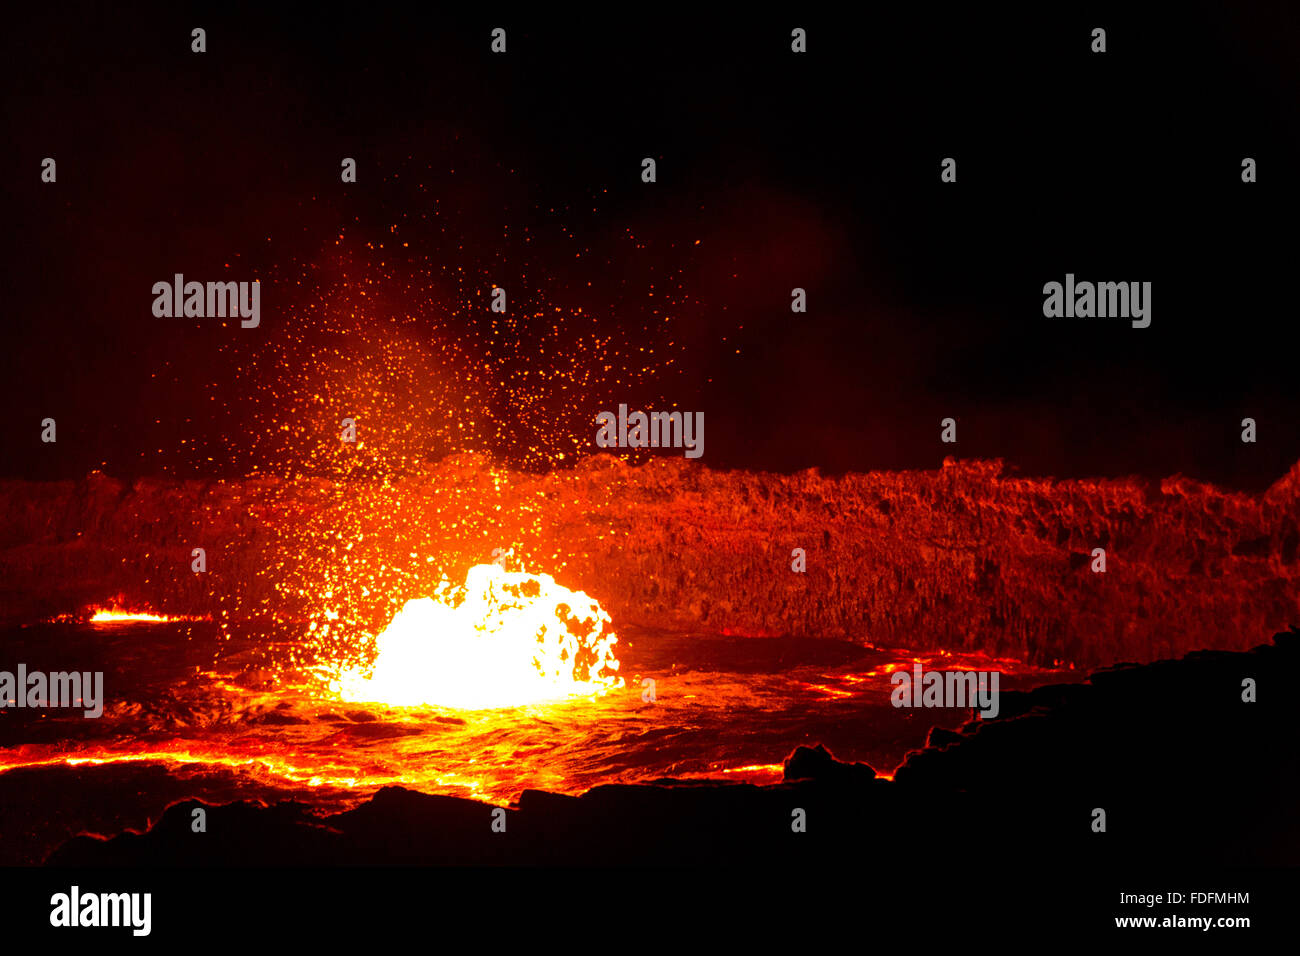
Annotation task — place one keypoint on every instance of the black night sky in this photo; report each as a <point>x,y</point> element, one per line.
<point>818,171</point>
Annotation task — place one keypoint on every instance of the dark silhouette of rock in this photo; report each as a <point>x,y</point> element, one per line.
<point>817,763</point>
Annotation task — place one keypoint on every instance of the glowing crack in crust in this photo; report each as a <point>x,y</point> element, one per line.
<point>503,639</point>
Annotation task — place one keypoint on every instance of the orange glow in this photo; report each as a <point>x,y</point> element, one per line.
<point>342,753</point>
<point>504,639</point>
<point>104,615</point>
<point>829,693</point>
<point>268,764</point>
<point>758,772</point>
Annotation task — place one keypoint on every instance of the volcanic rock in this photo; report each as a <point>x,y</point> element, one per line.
<point>965,558</point>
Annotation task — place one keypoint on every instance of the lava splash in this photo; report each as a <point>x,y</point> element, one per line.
<point>503,639</point>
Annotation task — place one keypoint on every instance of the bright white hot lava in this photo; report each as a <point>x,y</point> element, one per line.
<point>504,639</point>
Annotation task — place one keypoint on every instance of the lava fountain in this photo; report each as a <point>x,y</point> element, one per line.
<point>503,639</point>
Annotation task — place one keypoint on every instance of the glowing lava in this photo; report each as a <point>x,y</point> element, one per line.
<point>106,615</point>
<point>502,640</point>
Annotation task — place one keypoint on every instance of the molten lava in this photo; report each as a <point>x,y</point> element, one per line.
<point>502,640</point>
<point>107,615</point>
